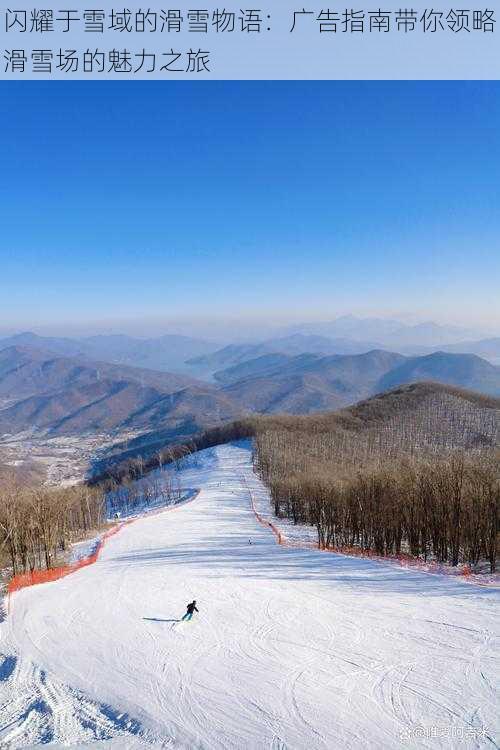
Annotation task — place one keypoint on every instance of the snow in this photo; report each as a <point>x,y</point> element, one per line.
<point>292,648</point>
<point>141,505</point>
<point>83,549</point>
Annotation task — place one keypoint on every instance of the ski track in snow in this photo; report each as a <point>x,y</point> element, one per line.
<point>293,649</point>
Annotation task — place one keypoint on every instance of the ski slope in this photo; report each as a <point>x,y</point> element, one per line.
<point>292,649</point>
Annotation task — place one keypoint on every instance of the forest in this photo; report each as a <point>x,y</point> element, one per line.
<point>423,481</point>
<point>38,523</point>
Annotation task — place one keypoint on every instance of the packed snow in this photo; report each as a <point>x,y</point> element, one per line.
<point>292,648</point>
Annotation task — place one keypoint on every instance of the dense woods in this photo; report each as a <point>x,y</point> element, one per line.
<point>38,523</point>
<point>423,481</point>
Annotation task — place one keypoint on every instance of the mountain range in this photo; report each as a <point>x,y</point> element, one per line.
<point>61,395</point>
<point>309,383</point>
<point>386,332</point>
<point>202,358</point>
<point>208,365</point>
<point>68,395</point>
<point>165,353</point>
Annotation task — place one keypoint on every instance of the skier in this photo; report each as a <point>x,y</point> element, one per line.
<point>191,607</point>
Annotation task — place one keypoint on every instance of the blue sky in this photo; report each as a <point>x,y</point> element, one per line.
<point>147,202</point>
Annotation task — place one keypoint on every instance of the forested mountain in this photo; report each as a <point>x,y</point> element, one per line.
<point>466,370</point>
<point>414,470</point>
<point>68,396</point>
<point>293,345</point>
<point>487,348</point>
<point>309,383</point>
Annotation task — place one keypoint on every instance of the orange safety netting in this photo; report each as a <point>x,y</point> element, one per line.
<point>54,574</point>
<point>276,531</point>
<point>403,559</point>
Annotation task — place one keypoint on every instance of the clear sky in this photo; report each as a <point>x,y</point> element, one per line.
<point>287,200</point>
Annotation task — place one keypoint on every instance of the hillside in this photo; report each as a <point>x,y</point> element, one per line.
<point>28,372</point>
<point>309,383</point>
<point>234,355</point>
<point>425,418</point>
<point>416,472</point>
<point>165,353</point>
<point>258,366</point>
<point>63,346</point>
<point>416,419</point>
<point>411,397</point>
<point>486,348</point>
<point>464,370</point>
<point>68,396</point>
<point>418,416</point>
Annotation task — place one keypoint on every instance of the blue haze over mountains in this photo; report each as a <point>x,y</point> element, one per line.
<point>178,385</point>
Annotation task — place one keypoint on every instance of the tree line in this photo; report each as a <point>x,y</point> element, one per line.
<point>419,483</point>
<point>38,523</point>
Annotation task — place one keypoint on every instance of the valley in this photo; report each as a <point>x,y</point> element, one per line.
<point>62,413</point>
<point>61,460</point>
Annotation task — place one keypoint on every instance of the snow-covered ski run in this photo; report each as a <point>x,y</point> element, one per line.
<point>292,649</point>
